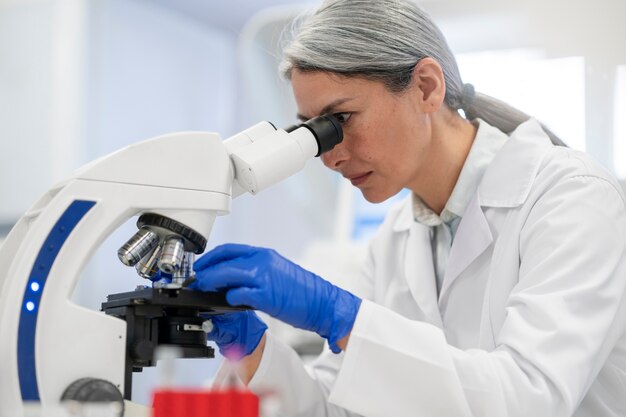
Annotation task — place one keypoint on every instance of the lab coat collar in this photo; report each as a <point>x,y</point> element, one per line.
<point>506,183</point>
<point>472,238</point>
<point>405,217</point>
<point>509,177</point>
<point>420,272</point>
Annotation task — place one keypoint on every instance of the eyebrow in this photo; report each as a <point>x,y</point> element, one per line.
<point>328,108</point>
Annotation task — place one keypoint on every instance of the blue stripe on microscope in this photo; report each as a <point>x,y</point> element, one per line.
<point>27,367</point>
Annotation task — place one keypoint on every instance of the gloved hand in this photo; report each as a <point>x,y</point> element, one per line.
<point>160,276</point>
<point>237,334</point>
<point>264,280</point>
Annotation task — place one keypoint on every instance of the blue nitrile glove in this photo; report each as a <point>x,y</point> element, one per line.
<point>237,334</point>
<point>264,280</point>
<point>160,275</point>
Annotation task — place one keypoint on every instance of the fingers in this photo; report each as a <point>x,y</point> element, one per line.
<point>237,334</point>
<point>224,326</point>
<point>225,275</point>
<point>244,296</point>
<point>223,253</point>
<point>160,275</point>
<point>224,329</point>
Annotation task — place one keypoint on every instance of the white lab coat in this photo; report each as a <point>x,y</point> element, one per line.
<point>531,316</point>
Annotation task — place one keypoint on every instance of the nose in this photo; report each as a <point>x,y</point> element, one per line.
<point>336,157</point>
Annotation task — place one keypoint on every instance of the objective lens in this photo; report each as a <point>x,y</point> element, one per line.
<point>138,246</point>
<point>148,266</point>
<point>186,269</point>
<point>172,255</point>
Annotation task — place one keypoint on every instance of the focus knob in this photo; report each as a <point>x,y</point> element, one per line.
<point>92,390</point>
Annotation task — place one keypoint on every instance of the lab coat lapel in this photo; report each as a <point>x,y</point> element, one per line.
<point>419,271</point>
<point>472,238</point>
<point>505,184</point>
<point>518,162</point>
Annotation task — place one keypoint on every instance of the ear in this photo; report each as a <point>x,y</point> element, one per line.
<point>428,81</point>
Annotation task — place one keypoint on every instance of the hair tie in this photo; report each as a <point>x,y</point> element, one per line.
<point>468,96</point>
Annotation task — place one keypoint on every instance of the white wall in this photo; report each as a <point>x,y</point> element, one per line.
<point>79,79</point>
<point>25,105</point>
<point>149,72</point>
<point>559,28</point>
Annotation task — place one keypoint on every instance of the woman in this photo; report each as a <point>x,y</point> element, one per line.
<point>496,289</point>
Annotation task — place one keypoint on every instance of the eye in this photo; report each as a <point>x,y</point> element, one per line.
<point>342,117</point>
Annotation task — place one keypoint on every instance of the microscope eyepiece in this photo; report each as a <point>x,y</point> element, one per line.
<point>327,131</point>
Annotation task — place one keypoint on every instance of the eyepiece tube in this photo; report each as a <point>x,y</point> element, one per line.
<point>327,131</point>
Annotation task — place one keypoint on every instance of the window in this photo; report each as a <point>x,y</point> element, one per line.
<point>551,90</point>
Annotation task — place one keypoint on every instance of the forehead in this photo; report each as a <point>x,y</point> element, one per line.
<point>315,90</point>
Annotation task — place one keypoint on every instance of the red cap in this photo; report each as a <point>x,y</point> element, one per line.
<point>196,403</point>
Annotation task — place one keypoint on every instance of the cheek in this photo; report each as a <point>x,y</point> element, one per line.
<point>363,148</point>
<point>379,136</point>
<point>369,156</point>
<point>375,147</point>
<point>394,155</point>
<point>368,143</point>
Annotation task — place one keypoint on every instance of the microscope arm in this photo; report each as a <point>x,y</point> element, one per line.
<point>47,342</point>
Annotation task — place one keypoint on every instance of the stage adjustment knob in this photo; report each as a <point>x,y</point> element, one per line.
<point>92,390</point>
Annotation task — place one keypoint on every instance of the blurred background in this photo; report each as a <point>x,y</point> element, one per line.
<point>82,78</point>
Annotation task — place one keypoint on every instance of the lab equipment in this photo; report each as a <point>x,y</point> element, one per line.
<point>47,342</point>
<point>148,266</point>
<point>264,280</point>
<point>228,399</point>
<point>236,334</point>
<point>172,255</point>
<point>138,246</point>
<point>230,402</point>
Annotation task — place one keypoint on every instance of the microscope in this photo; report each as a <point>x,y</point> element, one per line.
<point>53,350</point>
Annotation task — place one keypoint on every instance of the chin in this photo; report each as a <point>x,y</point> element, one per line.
<point>375,197</point>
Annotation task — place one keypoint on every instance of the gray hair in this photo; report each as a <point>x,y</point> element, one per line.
<point>383,40</point>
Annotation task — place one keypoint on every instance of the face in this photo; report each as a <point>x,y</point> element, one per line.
<point>386,135</point>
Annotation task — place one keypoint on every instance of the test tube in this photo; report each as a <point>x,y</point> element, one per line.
<point>138,246</point>
<point>166,355</point>
<point>171,255</point>
<point>148,266</point>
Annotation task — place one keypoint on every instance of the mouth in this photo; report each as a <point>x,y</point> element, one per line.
<point>359,179</point>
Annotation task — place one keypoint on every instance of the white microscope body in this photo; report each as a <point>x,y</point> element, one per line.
<point>46,341</point>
